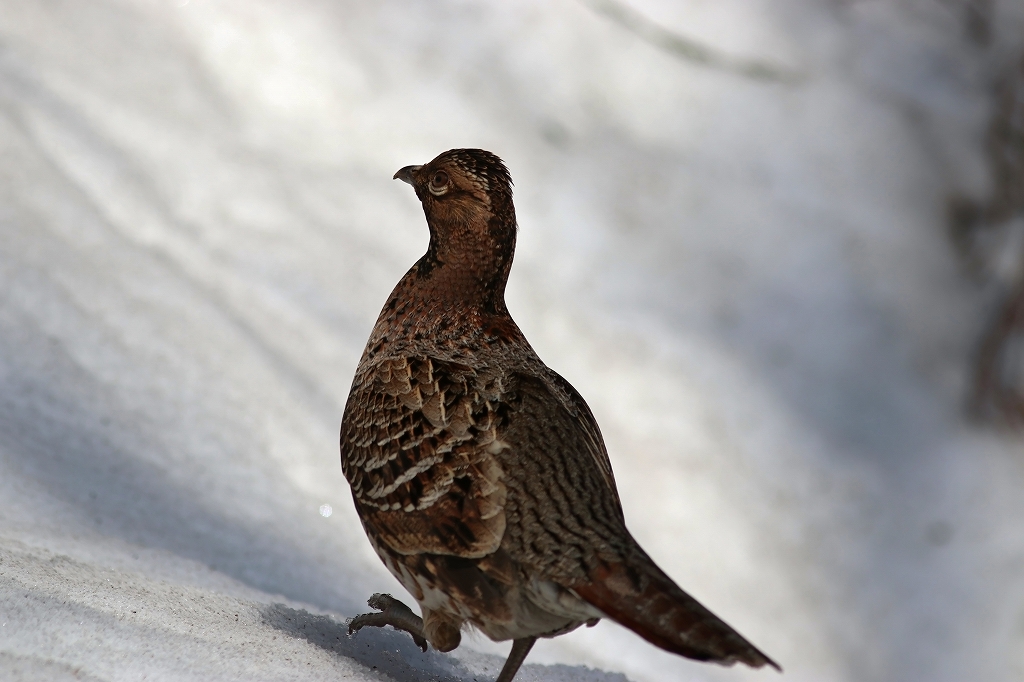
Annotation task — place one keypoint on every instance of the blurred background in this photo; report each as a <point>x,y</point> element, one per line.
<point>777,245</point>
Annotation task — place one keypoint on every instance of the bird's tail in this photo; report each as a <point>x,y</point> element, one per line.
<point>641,597</point>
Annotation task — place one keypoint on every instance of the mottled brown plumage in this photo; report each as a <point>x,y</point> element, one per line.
<point>480,474</point>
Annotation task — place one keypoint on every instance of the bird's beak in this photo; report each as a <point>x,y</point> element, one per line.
<point>405,174</point>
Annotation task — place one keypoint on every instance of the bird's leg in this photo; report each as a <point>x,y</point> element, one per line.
<point>394,613</point>
<point>520,648</point>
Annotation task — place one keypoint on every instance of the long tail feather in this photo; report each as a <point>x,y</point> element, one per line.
<point>642,598</point>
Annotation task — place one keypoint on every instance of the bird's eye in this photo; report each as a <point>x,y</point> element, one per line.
<point>438,183</point>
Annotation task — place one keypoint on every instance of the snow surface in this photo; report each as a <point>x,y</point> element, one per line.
<point>750,282</point>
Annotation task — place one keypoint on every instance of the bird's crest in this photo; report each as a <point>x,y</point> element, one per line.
<point>481,165</point>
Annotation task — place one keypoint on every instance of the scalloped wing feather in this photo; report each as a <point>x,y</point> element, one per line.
<point>418,442</point>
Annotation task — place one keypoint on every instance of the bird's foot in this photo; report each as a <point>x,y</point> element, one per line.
<point>391,612</point>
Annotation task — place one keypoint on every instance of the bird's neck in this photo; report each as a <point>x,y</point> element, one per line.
<point>446,312</point>
<point>465,267</point>
<point>456,285</point>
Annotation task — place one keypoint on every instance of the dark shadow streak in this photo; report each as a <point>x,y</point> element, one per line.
<point>688,49</point>
<point>383,649</point>
<point>393,653</point>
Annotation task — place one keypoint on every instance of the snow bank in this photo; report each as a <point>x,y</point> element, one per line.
<point>750,283</point>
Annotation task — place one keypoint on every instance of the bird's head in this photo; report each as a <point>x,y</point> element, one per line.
<point>462,186</point>
<point>467,199</point>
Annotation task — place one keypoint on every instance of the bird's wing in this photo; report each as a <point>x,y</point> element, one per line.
<point>418,440</point>
<point>588,437</point>
<point>429,447</point>
<point>562,510</point>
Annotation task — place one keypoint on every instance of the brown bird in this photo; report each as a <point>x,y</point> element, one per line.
<point>479,474</point>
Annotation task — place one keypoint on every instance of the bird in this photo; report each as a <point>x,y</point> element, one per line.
<point>479,474</point>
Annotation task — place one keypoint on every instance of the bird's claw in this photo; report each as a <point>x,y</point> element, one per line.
<point>391,612</point>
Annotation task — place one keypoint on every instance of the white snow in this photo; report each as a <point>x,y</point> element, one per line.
<point>750,282</point>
